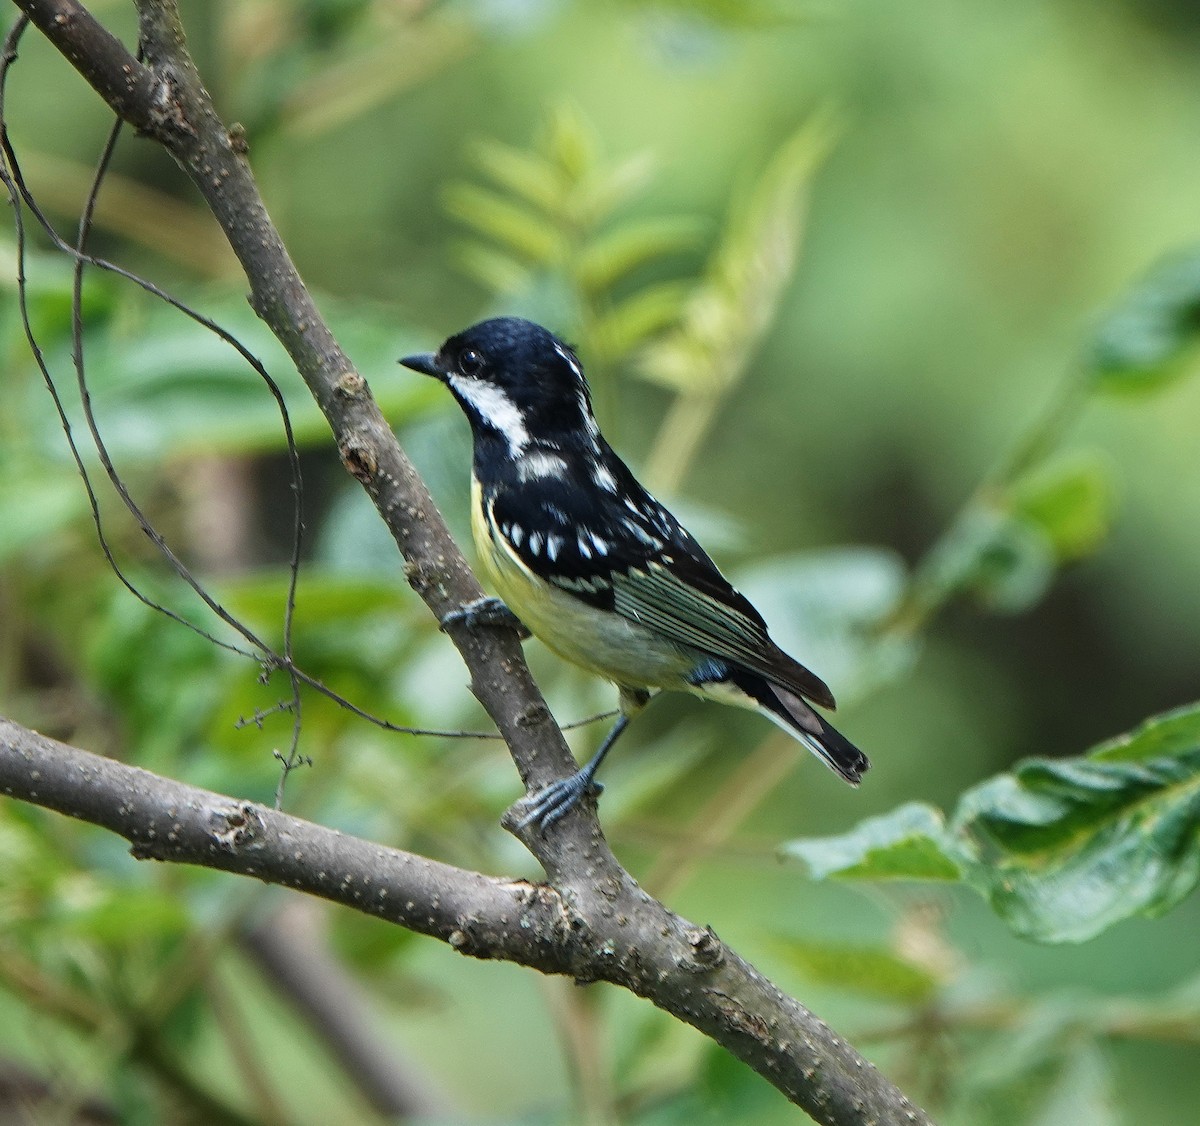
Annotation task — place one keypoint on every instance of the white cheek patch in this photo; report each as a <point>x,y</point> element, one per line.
<point>495,408</point>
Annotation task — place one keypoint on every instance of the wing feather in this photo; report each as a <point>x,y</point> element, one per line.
<point>641,563</point>
<point>712,621</point>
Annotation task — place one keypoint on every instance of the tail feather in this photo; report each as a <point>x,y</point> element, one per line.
<point>837,752</point>
<point>791,713</point>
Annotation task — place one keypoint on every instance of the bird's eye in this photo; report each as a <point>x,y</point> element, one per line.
<point>470,363</point>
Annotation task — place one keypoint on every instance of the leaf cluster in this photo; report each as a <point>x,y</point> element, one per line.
<point>546,231</point>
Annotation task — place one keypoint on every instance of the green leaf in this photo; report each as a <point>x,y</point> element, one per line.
<point>643,789</point>
<point>542,236</point>
<point>1045,1072</point>
<point>512,225</point>
<point>679,362</point>
<point>744,13</point>
<point>164,679</point>
<point>1070,501</point>
<point>745,276</point>
<point>1066,848</point>
<point>630,322</point>
<point>1151,337</point>
<point>1005,561</point>
<point>1061,848</point>
<point>525,174</point>
<point>49,281</point>
<point>872,970</point>
<point>323,597</point>
<point>723,1090</point>
<point>610,257</point>
<point>910,843</point>
<point>571,142</point>
<point>165,387</point>
<point>607,189</point>
<point>492,268</point>
<point>1171,733</point>
<point>729,1090</point>
<point>33,509</point>
<point>1082,1092</point>
<point>106,915</point>
<point>638,1052</point>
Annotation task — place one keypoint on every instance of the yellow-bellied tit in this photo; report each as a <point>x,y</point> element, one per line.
<point>592,565</point>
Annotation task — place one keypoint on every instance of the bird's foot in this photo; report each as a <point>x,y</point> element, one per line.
<point>485,612</point>
<point>555,801</point>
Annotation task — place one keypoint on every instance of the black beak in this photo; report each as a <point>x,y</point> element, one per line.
<point>424,362</point>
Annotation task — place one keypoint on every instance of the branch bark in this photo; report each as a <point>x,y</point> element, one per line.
<point>591,921</point>
<point>598,927</point>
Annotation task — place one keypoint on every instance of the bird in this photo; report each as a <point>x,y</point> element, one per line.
<point>588,562</point>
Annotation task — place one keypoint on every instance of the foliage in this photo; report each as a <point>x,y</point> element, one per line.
<point>1062,848</point>
<point>546,230</point>
<point>1151,337</point>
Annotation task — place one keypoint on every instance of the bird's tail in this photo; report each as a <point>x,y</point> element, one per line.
<point>790,712</point>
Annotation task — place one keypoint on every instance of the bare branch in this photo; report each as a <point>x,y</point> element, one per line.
<point>289,947</point>
<point>601,928</point>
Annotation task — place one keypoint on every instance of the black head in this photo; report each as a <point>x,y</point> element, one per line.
<point>514,379</point>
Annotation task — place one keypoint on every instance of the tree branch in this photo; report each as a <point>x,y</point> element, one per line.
<point>289,948</point>
<point>165,100</point>
<point>599,928</point>
<point>592,921</point>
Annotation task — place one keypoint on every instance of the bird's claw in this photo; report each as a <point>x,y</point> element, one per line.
<point>485,612</point>
<point>553,802</point>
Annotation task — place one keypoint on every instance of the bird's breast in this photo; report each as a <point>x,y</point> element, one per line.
<point>599,640</point>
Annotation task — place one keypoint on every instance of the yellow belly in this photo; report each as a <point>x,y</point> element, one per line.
<point>604,643</point>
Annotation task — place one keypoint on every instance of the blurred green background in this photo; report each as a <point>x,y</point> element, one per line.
<point>854,255</point>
